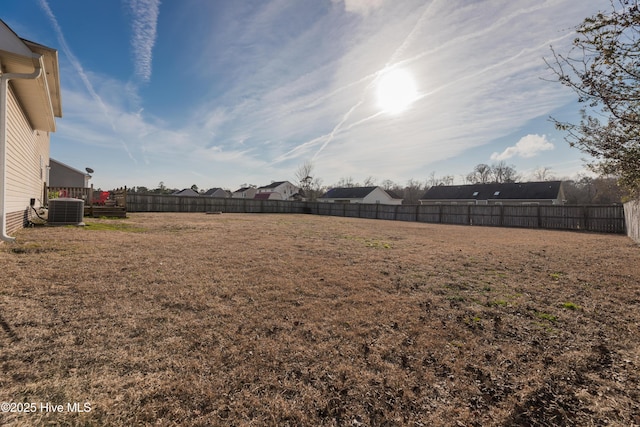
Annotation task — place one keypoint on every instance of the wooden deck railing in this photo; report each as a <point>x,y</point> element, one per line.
<point>83,193</point>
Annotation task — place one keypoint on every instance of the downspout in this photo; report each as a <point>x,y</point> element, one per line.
<point>4,89</point>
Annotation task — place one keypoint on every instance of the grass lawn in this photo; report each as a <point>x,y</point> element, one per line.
<point>275,320</point>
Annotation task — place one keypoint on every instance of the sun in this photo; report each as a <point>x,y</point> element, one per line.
<point>396,91</point>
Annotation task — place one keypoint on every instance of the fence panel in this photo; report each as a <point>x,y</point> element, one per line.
<point>489,215</point>
<point>406,213</point>
<point>369,211</point>
<point>632,219</point>
<point>324,208</point>
<point>604,219</point>
<point>120,196</point>
<point>520,216</point>
<point>562,217</point>
<point>429,213</point>
<point>215,204</point>
<point>386,211</point>
<point>351,210</point>
<point>454,214</point>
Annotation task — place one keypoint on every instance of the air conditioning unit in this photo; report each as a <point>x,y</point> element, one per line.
<point>66,211</point>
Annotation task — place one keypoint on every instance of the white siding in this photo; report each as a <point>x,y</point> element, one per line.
<point>378,195</point>
<point>27,161</point>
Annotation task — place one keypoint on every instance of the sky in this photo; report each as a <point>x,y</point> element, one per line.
<point>221,93</point>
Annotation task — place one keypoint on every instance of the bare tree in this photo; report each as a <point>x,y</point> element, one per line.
<point>413,191</point>
<point>346,182</point>
<point>543,174</point>
<point>387,184</point>
<point>369,182</point>
<point>588,190</point>
<point>481,174</point>
<point>311,186</point>
<point>502,172</point>
<point>304,173</point>
<point>434,180</point>
<point>602,69</point>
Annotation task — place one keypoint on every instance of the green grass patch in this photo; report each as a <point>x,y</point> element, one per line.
<point>546,316</point>
<point>499,302</point>
<point>370,243</point>
<point>571,306</point>
<point>113,226</point>
<point>377,244</point>
<point>556,276</point>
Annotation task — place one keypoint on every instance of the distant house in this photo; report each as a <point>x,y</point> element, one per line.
<point>280,190</point>
<point>30,101</point>
<point>185,192</point>
<point>61,175</point>
<point>215,192</point>
<point>244,193</point>
<point>375,195</point>
<point>543,193</point>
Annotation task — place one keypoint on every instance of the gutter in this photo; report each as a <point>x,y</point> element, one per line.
<point>4,89</point>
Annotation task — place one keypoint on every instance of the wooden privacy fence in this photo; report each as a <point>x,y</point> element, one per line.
<point>598,218</point>
<point>632,219</point>
<point>120,197</point>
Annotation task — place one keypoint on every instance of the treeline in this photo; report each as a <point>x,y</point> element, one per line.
<point>581,190</point>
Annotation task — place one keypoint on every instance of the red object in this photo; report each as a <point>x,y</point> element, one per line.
<point>102,198</point>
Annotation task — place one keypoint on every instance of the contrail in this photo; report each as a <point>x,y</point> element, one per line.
<point>503,20</point>
<point>83,76</point>
<point>393,62</point>
<point>407,40</point>
<point>145,23</point>
<point>492,66</point>
<point>337,128</point>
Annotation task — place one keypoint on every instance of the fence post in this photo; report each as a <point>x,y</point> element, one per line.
<point>539,218</point>
<point>585,215</point>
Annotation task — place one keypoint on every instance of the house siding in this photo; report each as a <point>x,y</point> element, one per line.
<point>246,194</point>
<point>61,175</point>
<point>375,196</point>
<point>286,190</point>
<point>27,162</point>
<point>380,196</point>
<point>491,202</point>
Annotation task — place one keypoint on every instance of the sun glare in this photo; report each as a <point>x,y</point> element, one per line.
<point>396,91</point>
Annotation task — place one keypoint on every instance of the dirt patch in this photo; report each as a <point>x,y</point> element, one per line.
<point>260,319</point>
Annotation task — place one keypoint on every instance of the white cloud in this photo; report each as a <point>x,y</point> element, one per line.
<point>285,82</point>
<point>81,72</point>
<point>363,7</point>
<point>145,22</point>
<point>528,146</point>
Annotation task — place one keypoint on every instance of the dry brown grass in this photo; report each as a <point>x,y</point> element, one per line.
<point>193,319</point>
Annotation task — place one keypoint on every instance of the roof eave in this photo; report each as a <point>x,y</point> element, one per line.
<point>40,101</point>
<point>52,73</point>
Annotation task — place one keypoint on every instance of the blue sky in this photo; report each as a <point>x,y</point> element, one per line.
<point>219,93</point>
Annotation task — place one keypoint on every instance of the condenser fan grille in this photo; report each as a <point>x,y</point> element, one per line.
<point>66,211</point>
